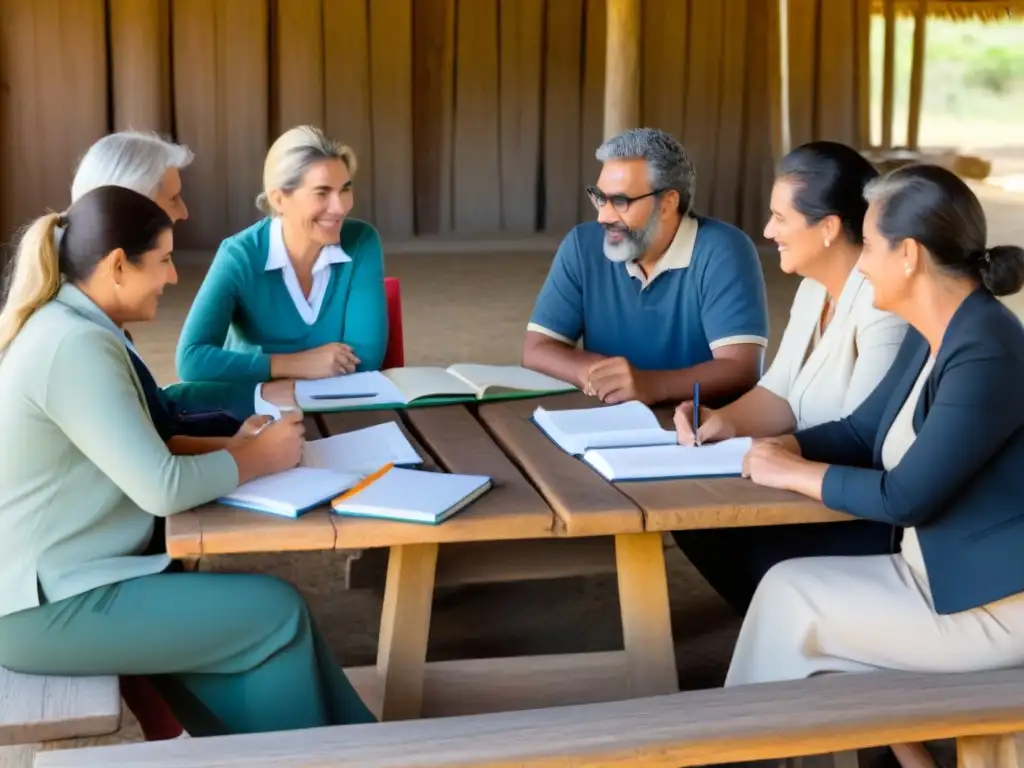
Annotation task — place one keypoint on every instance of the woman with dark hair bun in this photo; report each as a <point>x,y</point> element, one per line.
<point>836,348</point>
<point>937,448</point>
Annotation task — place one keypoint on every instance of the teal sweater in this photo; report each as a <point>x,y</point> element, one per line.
<point>243,314</point>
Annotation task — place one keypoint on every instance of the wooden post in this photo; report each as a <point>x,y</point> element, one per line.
<point>917,75</point>
<point>622,67</point>
<point>888,71</point>
<point>778,60</point>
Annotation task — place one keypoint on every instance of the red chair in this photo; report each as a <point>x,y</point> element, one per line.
<point>394,355</point>
<point>155,717</point>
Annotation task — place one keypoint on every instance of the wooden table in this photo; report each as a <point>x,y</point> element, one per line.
<point>543,498</point>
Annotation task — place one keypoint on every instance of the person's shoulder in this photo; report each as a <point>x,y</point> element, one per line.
<point>57,335</point>
<point>360,239</point>
<point>984,324</point>
<point>583,243</point>
<point>717,235</point>
<point>247,248</point>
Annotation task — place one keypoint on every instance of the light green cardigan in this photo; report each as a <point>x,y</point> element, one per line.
<point>83,471</point>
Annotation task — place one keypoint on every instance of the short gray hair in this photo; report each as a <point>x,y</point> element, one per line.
<point>670,166</point>
<point>293,153</point>
<point>131,159</point>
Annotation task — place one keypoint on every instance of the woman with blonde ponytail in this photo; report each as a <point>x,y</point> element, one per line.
<point>86,588</point>
<point>36,276</point>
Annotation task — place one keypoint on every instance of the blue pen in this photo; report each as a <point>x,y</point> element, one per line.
<point>696,412</point>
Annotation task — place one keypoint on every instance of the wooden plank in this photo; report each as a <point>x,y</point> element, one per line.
<point>297,82</point>
<point>476,686</point>
<point>17,757</point>
<point>477,182</point>
<point>759,117</point>
<point>622,69</point>
<point>194,42</point>
<point>347,114</point>
<point>988,752</point>
<point>140,64</point>
<point>586,505</point>
<point>888,71</point>
<point>433,111</point>
<point>563,75</point>
<point>391,108</point>
<point>917,74</point>
<point>46,708</point>
<point>404,629</point>
<point>862,31</point>
<point>835,103</point>
<point>827,713</point>
<point>646,620</point>
<point>53,64</point>
<point>803,43</point>
<point>665,49</point>
<point>521,71</point>
<point>243,66</point>
<point>726,194</point>
<point>592,116</point>
<point>489,562</point>
<point>704,95</point>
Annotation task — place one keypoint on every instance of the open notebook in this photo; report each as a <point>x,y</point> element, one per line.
<point>413,496</point>
<point>328,467</point>
<point>578,430</point>
<point>659,462</point>
<point>423,385</point>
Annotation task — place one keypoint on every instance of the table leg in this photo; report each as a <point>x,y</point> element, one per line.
<point>646,620</point>
<point>404,629</point>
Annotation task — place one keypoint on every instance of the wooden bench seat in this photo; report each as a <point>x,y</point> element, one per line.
<point>827,714</point>
<point>34,708</point>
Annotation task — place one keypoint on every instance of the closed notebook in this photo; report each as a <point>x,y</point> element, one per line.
<point>292,492</point>
<point>361,451</point>
<point>660,462</point>
<point>615,426</point>
<point>414,495</point>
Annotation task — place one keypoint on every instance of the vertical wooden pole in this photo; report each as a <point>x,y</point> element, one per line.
<point>888,71</point>
<point>917,75</point>
<point>622,67</point>
<point>778,82</point>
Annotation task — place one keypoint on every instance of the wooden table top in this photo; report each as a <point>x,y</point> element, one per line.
<point>539,491</point>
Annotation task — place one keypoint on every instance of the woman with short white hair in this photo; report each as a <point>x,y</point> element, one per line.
<point>142,162</point>
<point>299,294</point>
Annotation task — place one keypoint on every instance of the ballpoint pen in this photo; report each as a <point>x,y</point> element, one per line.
<point>696,413</point>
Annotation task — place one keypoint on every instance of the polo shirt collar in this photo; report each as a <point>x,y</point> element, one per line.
<point>678,255</point>
<point>277,256</point>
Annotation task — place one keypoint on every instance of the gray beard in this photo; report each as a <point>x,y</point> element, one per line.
<point>633,244</point>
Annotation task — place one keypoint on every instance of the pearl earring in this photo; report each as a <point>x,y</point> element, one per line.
<point>908,270</point>
<point>827,242</point>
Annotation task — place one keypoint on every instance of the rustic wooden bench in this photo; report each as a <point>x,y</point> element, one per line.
<point>826,714</point>
<point>34,709</point>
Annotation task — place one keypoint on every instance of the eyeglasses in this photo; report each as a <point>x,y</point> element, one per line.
<point>620,203</point>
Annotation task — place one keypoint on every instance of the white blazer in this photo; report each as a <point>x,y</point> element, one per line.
<point>855,352</point>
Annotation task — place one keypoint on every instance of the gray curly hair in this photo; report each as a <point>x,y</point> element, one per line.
<point>669,164</point>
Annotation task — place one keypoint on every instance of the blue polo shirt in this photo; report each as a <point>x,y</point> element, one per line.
<point>707,291</point>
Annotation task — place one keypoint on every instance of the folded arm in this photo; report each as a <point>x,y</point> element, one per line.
<point>90,396</point>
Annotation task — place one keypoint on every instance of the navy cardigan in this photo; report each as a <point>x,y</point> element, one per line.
<point>961,484</point>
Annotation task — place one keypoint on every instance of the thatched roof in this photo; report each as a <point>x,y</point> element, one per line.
<point>984,10</point>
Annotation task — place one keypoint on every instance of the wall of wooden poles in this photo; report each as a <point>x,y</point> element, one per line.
<point>471,118</point>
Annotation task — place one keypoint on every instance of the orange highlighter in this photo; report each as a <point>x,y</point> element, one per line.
<point>365,482</point>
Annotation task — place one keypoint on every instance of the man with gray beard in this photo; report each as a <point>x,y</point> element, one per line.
<point>650,298</point>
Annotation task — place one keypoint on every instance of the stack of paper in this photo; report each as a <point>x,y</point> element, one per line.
<point>670,461</point>
<point>413,496</point>
<point>577,431</point>
<point>328,467</point>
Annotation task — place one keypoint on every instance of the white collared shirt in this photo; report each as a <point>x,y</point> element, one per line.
<point>277,258</point>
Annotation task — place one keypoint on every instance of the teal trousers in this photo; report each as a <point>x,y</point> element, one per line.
<point>230,653</point>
